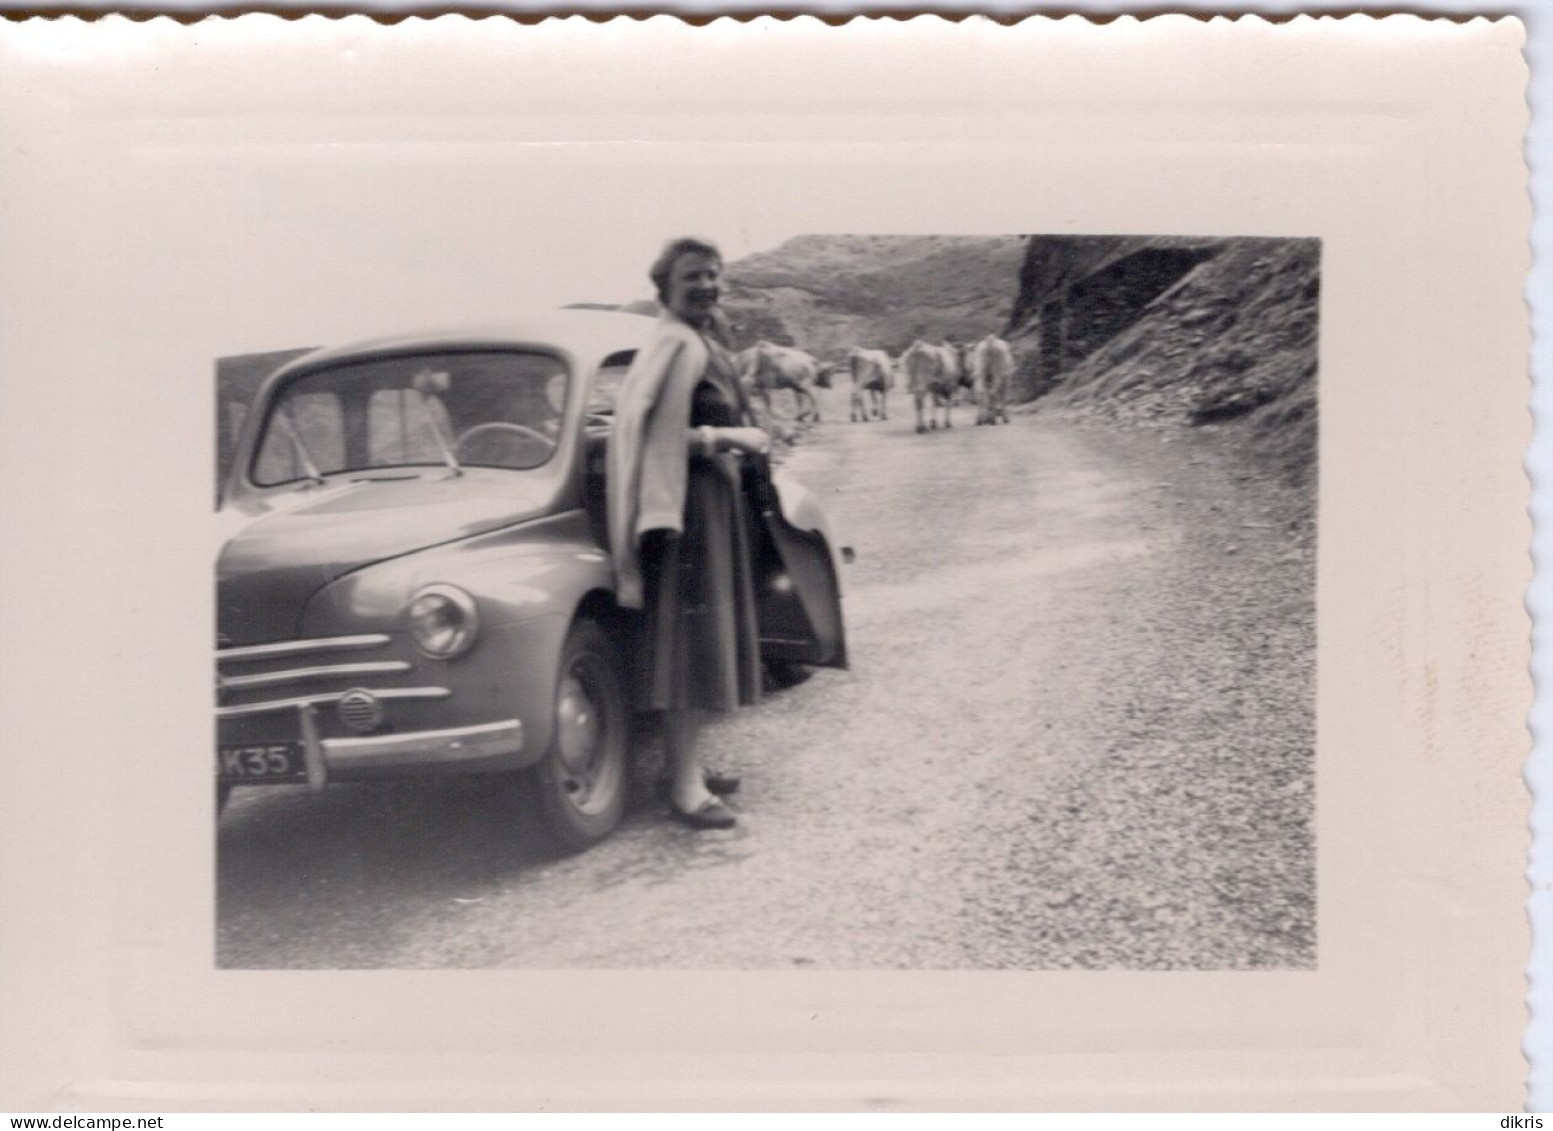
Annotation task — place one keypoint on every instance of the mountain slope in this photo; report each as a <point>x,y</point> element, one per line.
<point>826,294</point>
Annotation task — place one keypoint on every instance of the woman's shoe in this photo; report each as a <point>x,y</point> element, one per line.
<point>721,784</point>
<point>710,814</point>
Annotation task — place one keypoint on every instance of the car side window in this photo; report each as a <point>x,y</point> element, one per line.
<point>320,425</point>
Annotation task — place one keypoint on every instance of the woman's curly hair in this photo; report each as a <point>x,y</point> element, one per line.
<point>663,266</point>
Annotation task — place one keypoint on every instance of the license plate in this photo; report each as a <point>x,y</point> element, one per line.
<point>261,762</point>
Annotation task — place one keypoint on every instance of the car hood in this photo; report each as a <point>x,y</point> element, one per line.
<point>288,547</point>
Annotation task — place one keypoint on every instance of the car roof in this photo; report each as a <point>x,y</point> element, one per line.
<point>588,335</point>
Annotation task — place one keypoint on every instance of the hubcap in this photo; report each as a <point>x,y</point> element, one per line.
<point>581,740</point>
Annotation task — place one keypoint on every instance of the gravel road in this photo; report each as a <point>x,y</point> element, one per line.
<point>1077,732</point>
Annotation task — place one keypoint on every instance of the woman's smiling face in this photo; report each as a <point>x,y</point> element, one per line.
<point>694,287</point>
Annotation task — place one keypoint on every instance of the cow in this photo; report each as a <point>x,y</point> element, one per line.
<point>872,373</point>
<point>930,372</point>
<point>766,366</point>
<point>992,366</point>
<point>960,371</point>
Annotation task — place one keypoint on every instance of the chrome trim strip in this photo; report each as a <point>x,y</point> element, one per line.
<point>298,647</point>
<point>457,744</point>
<point>270,706</point>
<point>299,675</point>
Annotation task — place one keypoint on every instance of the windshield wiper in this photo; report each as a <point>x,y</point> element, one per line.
<point>289,427</point>
<point>423,384</point>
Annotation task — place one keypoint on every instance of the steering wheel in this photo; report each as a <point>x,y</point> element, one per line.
<point>503,427</point>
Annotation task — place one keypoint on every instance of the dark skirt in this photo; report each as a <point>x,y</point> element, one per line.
<point>702,639</point>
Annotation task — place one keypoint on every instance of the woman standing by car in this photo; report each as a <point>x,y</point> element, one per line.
<point>679,527</point>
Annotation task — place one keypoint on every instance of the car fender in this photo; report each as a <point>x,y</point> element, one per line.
<point>527,583</point>
<point>801,509</point>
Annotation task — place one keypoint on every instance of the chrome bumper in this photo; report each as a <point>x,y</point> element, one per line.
<point>325,757</point>
<point>364,754</point>
<point>425,747</point>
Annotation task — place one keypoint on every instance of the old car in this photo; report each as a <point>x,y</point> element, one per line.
<point>418,580</point>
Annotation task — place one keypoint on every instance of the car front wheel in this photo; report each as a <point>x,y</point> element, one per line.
<point>580,784</point>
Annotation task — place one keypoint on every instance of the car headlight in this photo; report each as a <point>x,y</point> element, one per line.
<point>443,621</point>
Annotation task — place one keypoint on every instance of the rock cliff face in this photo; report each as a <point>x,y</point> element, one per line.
<point>1176,330</point>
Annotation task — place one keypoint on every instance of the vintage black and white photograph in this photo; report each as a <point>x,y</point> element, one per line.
<point>924,602</point>
<point>905,564</point>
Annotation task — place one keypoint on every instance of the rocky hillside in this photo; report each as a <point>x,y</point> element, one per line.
<point>1177,331</point>
<point>826,294</point>
<point>1174,330</point>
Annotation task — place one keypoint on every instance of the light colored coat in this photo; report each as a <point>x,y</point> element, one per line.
<point>648,456</point>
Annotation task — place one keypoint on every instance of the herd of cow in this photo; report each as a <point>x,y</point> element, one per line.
<point>936,375</point>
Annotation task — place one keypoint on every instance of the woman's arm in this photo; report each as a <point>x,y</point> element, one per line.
<point>707,440</point>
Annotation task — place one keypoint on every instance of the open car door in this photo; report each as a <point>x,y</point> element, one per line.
<point>797,587</point>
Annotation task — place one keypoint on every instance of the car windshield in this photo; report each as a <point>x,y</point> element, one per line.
<point>454,409</point>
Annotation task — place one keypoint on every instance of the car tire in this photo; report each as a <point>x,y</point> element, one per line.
<point>580,786</point>
<point>223,792</point>
<point>782,674</point>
